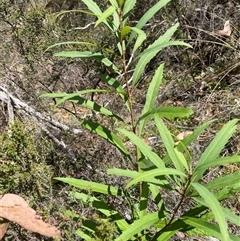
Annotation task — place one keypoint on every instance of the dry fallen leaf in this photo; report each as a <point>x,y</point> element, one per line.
<point>182,135</point>
<point>16,209</point>
<point>227,31</point>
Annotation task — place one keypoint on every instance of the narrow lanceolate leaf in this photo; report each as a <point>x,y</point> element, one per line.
<point>106,134</point>
<point>168,143</point>
<point>117,86</point>
<point>144,148</point>
<point>146,58</point>
<point>104,208</point>
<point>93,7</point>
<point>137,226</point>
<point>210,228</point>
<point>141,37</point>
<point>218,162</point>
<point>169,112</point>
<point>212,203</point>
<point>105,15</point>
<point>160,46</point>
<point>224,182</point>
<point>91,186</point>
<point>148,175</point>
<point>215,147</point>
<point>77,99</point>
<point>189,139</point>
<point>147,16</point>
<point>127,8</point>
<point>151,95</point>
<point>89,55</point>
<point>83,235</point>
<point>134,174</point>
<point>70,43</point>
<point>114,3</point>
<point>123,172</point>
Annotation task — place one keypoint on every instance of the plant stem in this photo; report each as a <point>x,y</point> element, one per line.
<point>155,237</point>
<point>124,64</point>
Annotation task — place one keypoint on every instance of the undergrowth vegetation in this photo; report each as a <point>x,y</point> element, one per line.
<point>155,158</point>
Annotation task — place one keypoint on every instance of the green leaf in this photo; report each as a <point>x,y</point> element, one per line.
<point>137,226</point>
<point>231,217</point>
<point>104,208</point>
<point>89,55</point>
<point>117,86</point>
<point>211,202</point>
<point>93,7</point>
<point>169,112</point>
<point>141,37</point>
<point>217,162</point>
<point>151,95</point>
<point>75,98</point>
<point>159,47</point>
<point>83,235</point>
<point>144,199</point>
<point>125,30</point>
<point>146,17</point>
<point>145,58</point>
<point>144,148</point>
<point>121,3</point>
<point>127,8</point>
<point>91,186</point>
<point>70,43</point>
<point>106,134</point>
<point>181,158</point>
<point>225,181</point>
<point>215,147</point>
<point>114,3</point>
<point>189,139</point>
<point>208,227</point>
<point>122,172</point>
<point>105,15</point>
<point>168,143</point>
<point>148,175</point>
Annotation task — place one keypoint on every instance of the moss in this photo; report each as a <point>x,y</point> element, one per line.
<point>23,162</point>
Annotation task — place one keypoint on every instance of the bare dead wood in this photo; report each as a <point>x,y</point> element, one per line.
<point>6,97</point>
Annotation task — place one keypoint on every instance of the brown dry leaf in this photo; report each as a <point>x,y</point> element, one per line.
<point>227,31</point>
<point>3,227</point>
<point>182,135</point>
<point>16,209</point>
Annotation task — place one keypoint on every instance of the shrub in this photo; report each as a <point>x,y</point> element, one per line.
<point>154,177</point>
